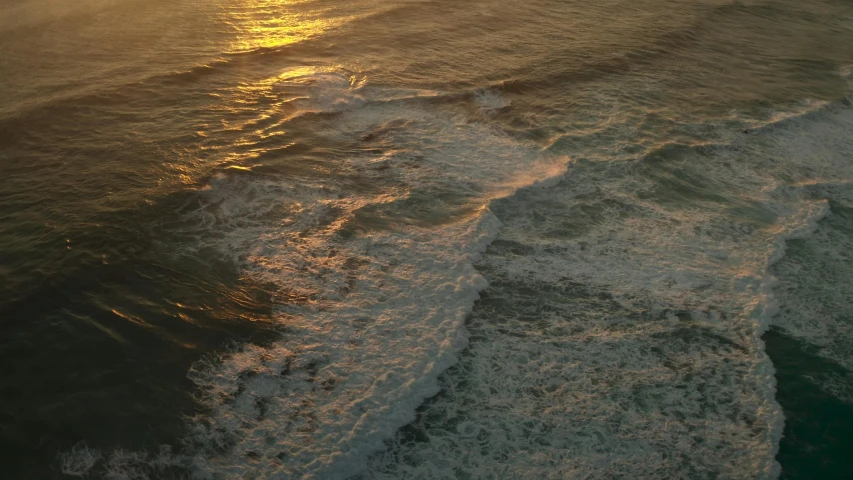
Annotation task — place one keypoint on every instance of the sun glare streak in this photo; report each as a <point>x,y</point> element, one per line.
<point>251,113</point>
<point>270,24</point>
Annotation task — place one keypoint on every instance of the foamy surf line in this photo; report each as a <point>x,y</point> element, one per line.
<point>629,343</point>
<point>296,409</point>
<point>378,314</point>
<point>370,316</point>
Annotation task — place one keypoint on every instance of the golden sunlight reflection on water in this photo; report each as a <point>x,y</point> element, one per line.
<point>270,24</point>
<point>250,113</point>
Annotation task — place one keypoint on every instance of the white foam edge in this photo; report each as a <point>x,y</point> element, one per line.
<point>765,306</point>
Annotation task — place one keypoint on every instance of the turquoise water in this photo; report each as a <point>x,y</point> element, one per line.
<point>426,239</point>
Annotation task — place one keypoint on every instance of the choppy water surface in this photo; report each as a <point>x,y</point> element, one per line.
<point>389,239</point>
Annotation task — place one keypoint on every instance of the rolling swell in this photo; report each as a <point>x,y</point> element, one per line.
<point>693,50</point>
<point>154,90</point>
<point>159,89</point>
<point>647,55</point>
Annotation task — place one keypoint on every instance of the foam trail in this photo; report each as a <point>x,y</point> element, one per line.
<point>374,283</point>
<point>304,401</point>
<point>620,335</point>
<point>376,314</point>
<point>811,285</point>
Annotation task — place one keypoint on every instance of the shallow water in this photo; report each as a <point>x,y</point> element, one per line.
<point>425,239</point>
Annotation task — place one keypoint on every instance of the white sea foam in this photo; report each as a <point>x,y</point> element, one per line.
<point>814,282</point>
<point>371,315</point>
<point>351,366</point>
<point>79,460</point>
<point>374,266</point>
<point>621,333</point>
<point>490,100</point>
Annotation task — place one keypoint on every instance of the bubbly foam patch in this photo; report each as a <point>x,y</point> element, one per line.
<point>354,361</point>
<point>490,100</point>
<point>79,460</point>
<point>814,276</point>
<point>370,316</point>
<point>620,335</point>
<point>815,279</point>
<point>373,261</point>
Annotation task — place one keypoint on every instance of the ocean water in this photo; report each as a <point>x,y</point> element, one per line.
<point>426,239</point>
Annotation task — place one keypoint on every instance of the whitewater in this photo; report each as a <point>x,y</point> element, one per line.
<point>425,240</point>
